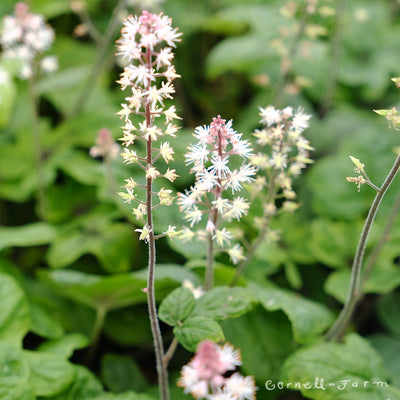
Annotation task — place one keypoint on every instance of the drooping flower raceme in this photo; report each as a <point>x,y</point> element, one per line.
<point>148,80</point>
<point>212,198</point>
<point>26,36</point>
<point>204,376</point>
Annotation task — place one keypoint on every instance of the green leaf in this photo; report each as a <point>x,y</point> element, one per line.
<point>333,243</point>
<point>339,365</point>
<point>128,326</point>
<point>82,167</point>
<point>43,323</point>
<point>34,234</point>
<point>389,350</point>
<point>224,302</point>
<point>84,387</point>
<point>110,242</point>
<point>308,318</point>
<point>177,306</point>
<point>383,279</point>
<point>14,312</point>
<point>14,379</point>
<point>121,373</point>
<point>66,345</point>
<point>244,53</point>
<point>114,291</point>
<point>265,340</point>
<point>7,99</point>
<point>123,396</point>
<point>195,329</point>
<point>389,311</point>
<point>95,291</point>
<point>49,373</point>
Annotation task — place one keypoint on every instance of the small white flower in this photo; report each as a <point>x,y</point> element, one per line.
<point>241,388</point>
<point>144,233</point>
<point>222,237</point>
<point>236,253</point>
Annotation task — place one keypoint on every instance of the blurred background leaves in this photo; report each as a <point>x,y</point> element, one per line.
<point>61,272</point>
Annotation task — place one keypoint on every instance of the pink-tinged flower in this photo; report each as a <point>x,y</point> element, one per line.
<point>204,376</point>
<point>146,43</point>
<point>105,145</point>
<point>210,159</point>
<point>24,36</point>
<point>241,388</point>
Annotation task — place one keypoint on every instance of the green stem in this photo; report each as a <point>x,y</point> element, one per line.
<point>99,60</point>
<point>170,352</point>
<point>382,241</point>
<point>101,312</point>
<point>162,372</point>
<point>38,151</point>
<point>261,234</point>
<point>353,295</point>
<point>209,277</point>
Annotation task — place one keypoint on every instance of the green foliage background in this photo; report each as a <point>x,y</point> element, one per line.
<point>73,319</point>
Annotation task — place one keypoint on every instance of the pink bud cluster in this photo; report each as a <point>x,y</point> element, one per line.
<point>105,145</point>
<point>204,376</point>
<point>212,194</point>
<point>146,43</point>
<point>24,36</point>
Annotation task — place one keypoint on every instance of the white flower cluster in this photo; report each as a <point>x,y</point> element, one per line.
<point>24,36</point>
<point>214,181</point>
<point>285,152</point>
<point>148,78</point>
<point>203,377</point>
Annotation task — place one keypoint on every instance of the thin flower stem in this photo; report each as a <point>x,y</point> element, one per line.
<point>101,313</point>
<point>162,371</point>
<point>38,151</point>
<point>261,235</point>
<point>353,295</point>
<point>99,60</point>
<point>382,241</point>
<point>209,277</point>
<point>170,352</point>
<point>93,31</point>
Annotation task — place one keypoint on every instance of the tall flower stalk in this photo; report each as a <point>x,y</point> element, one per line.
<point>149,75</point>
<point>358,276</point>
<point>284,155</point>
<point>25,37</point>
<point>211,199</point>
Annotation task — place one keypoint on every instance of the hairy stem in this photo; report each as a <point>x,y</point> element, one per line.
<point>38,151</point>
<point>209,277</point>
<point>170,352</point>
<point>99,60</point>
<point>382,241</point>
<point>162,372</point>
<point>353,295</point>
